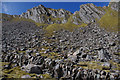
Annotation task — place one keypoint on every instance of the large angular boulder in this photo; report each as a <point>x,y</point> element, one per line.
<point>36,70</point>
<point>77,53</point>
<point>103,55</point>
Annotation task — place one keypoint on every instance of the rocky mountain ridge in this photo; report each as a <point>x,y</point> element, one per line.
<point>87,14</point>
<point>47,15</point>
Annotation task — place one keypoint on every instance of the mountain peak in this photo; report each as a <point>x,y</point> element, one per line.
<point>42,14</point>
<point>88,13</point>
<point>41,5</point>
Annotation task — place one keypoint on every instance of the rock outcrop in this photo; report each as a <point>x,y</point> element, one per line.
<point>42,14</point>
<point>88,13</point>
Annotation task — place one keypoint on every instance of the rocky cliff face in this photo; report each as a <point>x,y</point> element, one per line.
<point>88,13</point>
<point>47,15</point>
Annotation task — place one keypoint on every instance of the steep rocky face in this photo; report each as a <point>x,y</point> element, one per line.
<point>47,15</point>
<point>88,13</point>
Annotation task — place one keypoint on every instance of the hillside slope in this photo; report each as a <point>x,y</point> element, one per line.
<point>106,17</point>
<point>54,44</point>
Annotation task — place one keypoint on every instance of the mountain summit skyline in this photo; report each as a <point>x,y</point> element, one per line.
<point>17,8</point>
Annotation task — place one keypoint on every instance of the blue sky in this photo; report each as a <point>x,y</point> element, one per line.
<point>58,0</point>
<point>16,8</point>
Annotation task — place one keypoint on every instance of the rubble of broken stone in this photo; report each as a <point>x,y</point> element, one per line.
<point>23,44</point>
